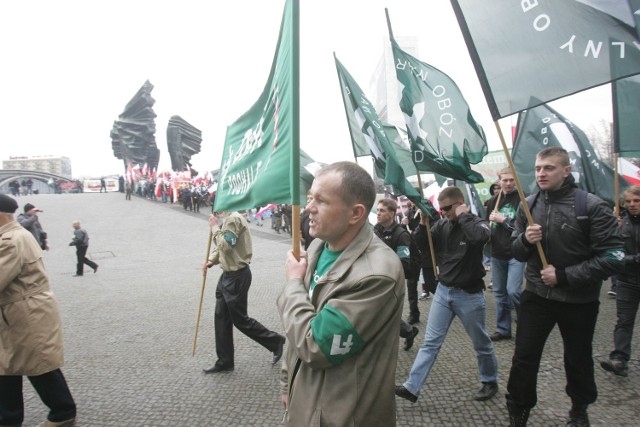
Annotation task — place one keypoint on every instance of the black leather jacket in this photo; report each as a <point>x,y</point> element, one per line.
<point>582,260</point>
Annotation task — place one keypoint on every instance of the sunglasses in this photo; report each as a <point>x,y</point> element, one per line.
<point>448,208</point>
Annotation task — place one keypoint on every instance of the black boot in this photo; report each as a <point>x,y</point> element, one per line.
<point>578,416</point>
<point>518,415</point>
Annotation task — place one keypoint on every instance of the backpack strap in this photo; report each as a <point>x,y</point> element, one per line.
<point>580,205</point>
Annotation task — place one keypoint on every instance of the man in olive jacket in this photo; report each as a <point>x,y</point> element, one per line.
<point>30,330</point>
<point>340,309</point>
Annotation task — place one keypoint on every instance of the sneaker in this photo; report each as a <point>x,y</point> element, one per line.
<point>406,394</point>
<point>487,391</point>
<point>408,342</point>
<point>65,423</point>
<point>424,296</point>
<point>612,293</point>
<point>497,336</point>
<point>618,367</point>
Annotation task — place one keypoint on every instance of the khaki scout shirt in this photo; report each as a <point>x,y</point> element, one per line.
<point>233,247</point>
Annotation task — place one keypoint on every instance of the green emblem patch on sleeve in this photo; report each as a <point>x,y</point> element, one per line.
<point>403,252</point>
<point>335,335</point>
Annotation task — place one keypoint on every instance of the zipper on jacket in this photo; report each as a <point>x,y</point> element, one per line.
<point>546,241</point>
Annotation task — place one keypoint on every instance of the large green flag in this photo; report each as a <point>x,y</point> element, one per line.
<point>444,137</point>
<point>368,131</point>
<point>626,116</point>
<point>261,155</point>
<point>543,127</point>
<point>541,50</point>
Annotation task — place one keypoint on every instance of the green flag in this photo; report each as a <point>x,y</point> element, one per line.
<point>541,50</point>
<point>366,128</point>
<point>543,127</point>
<point>626,116</point>
<point>261,157</point>
<point>444,137</point>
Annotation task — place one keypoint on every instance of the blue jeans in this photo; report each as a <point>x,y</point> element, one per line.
<point>506,276</point>
<point>627,301</point>
<point>471,309</point>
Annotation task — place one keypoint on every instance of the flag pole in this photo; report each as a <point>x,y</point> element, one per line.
<point>616,186</point>
<point>295,130</point>
<point>204,281</point>
<point>495,208</point>
<point>428,227</point>
<point>525,208</point>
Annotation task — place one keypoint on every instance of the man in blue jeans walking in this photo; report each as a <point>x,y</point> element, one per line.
<point>458,238</point>
<point>506,271</point>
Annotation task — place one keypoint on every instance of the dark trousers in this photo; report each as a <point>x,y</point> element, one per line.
<point>81,253</point>
<point>430,283</point>
<point>536,320</point>
<point>231,310</point>
<point>52,389</point>
<point>627,300</point>
<point>412,296</point>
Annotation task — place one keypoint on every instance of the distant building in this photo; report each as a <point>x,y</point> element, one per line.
<point>52,164</point>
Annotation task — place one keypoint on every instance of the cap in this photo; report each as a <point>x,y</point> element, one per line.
<point>8,204</point>
<point>28,207</point>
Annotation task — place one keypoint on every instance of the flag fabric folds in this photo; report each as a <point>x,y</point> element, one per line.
<point>369,139</point>
<point>444,136</point>
<point>543,127</point>
<point>539,50</point>
<point>626,116</point>
<point>261,158</point>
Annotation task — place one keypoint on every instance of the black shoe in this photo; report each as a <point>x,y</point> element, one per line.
<point>95,269</point>
<point>497,336</point>
<point>618,367</point>
<point>578,416</point>
<point>487,391</point>
<point>218,368</point>
<point>518,415</point>
<point>406,394</point>
<point>277,355</point>
<point>408,342</point>
<point>412,320</point>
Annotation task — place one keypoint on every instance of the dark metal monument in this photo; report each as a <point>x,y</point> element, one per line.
<point>133,134</point>
<point>183,141</point>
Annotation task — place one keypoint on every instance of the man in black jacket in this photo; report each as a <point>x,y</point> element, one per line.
<point>564,291</point>
<point>398,239</point>
<point>458,239</point>
<point>628,287</point>
<point>81,242</point>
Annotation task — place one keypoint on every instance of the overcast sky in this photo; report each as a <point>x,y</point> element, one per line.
<point>70,67</point>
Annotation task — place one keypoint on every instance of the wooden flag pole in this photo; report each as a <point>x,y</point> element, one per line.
<point>525,208</point>
<point>428,227</point>
<point>616,186</point>
<point>495,208</point>
<point>204,281</point>
<point>295,231</point>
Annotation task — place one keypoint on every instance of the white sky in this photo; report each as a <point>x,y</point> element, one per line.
<point>70,67</point>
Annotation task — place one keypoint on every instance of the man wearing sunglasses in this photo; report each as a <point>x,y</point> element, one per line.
<point>458,238</point>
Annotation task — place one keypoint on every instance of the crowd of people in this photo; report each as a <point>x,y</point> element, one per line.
<point>342,302</point>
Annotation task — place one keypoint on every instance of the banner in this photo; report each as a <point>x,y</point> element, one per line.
<point>530,52</point>
<point>368,131</point>
<point>626,116</point>
<point>444,136</point>
<point>261,156</point>
<point>543,127</point>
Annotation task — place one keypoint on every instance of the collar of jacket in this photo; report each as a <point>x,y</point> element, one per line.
<point>568,185</point>
<point>344,262</point>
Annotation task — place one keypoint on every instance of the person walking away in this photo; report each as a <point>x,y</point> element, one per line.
<point>458,240</point>
<point>29,220</point>
<point>628,286</point>
<point>30,329</point>
<point>81,242</point>
<point>507,272</point>
<point>580,255</point>
<point>233,249</point>
<point>340,309</point>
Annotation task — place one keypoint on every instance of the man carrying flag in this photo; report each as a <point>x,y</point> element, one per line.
<point>581,253</point>
<point>340,309</point>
